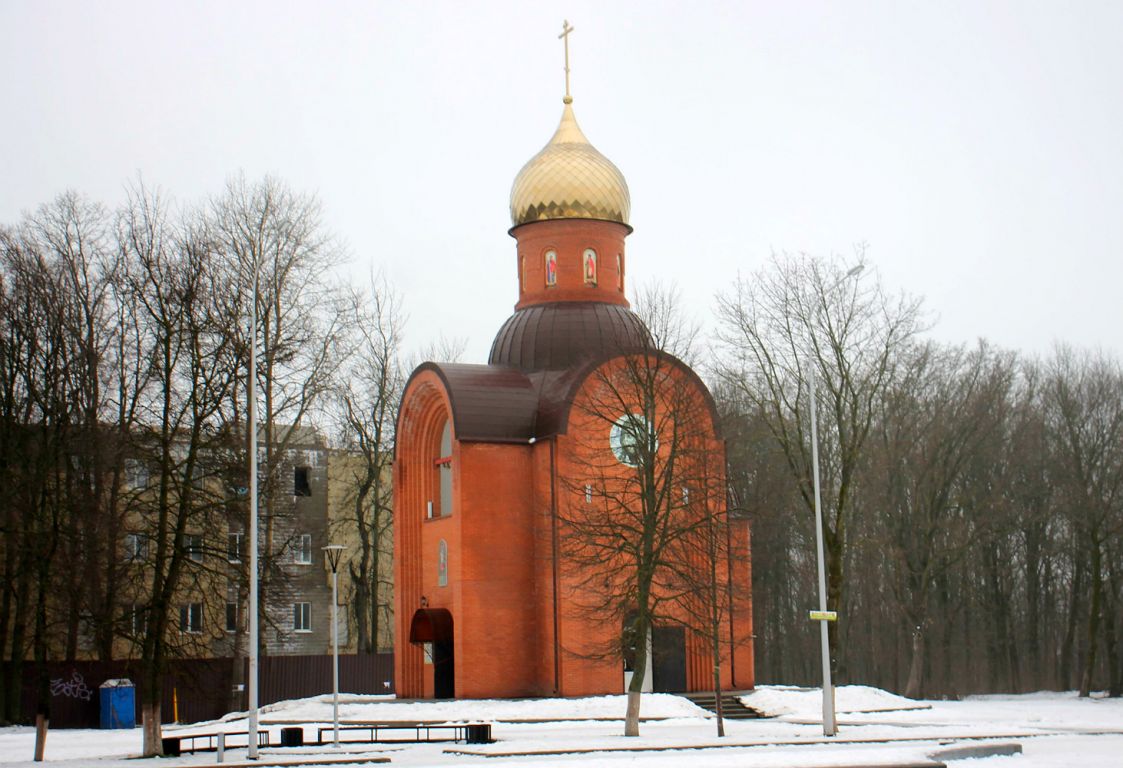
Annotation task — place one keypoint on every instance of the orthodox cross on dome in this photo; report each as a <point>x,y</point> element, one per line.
<point>564,37</point>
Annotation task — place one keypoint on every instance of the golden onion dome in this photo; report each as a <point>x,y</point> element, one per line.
<point>569,179</point>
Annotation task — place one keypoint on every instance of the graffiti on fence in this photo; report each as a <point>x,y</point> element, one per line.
<point>75,687</point>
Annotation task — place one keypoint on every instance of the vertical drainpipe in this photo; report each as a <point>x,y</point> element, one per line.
<point>554,560</point>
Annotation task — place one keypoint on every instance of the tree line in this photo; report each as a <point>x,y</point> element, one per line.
<point>124,357</point>
<point>972,496</point>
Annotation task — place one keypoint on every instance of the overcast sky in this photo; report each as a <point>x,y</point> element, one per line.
<point>975,147</point>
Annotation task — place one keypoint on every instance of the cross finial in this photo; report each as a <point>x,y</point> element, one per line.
<point>564,37</point>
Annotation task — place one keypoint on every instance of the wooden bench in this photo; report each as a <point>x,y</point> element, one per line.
<point>179,743</point>
<point>379,732</point>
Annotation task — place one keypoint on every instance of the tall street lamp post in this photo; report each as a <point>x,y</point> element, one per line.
<point>251,419</point>
<point>333,552</point>
<point>829,726</point>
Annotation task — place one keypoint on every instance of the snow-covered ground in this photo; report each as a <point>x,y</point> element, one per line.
<point>876,729</point>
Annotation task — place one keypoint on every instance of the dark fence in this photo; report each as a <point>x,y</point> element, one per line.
<point>201,689</point>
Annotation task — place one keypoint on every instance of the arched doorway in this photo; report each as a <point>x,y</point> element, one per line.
<point>432,627</point>
<point>668,659</point>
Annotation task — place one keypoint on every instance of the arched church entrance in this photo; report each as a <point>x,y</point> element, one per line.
<point>432,628</point>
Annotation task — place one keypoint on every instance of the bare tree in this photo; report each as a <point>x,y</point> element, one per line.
<point>637,498</point>
<point>370,389</point>
<point>273,242</point>
<point>39,418</point>
<point>798,313</point>
<point>944,402</point>
<point>173,282</point>
<point>1085,406</point>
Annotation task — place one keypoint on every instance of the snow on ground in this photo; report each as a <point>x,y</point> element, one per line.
<point>876,729</point>
<point>353,707</point>
<point>789,700</point>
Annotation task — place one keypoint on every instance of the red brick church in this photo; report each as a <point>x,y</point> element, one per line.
<point>506,474</point>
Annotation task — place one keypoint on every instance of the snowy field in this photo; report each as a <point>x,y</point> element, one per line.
<point>876,728</point>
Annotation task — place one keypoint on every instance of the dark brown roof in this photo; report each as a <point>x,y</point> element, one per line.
<point>489,403</point>
<point>499,404</point>
<point>558,336</point>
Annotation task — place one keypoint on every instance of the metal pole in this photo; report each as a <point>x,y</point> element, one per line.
<point>829,728</point>
<point>335,657</point>
<point>251,750</point>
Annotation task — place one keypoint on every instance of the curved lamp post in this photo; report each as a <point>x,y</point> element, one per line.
<point>829,726</point>
<point>334,552</point>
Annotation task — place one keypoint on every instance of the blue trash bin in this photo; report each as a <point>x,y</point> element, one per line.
<point>118,704</point>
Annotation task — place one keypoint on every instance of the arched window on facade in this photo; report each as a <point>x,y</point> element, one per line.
<point>551,268</point>
<point>443,464</point>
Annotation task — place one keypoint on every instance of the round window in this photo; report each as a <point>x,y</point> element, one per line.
<point>629,437</point>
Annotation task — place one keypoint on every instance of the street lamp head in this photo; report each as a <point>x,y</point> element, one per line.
<point>855,270</point>
<point>334,552</point>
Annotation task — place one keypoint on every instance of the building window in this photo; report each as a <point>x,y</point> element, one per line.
<point>191,618</point>
<point>302,617</point>
<point>685,496</point>
<point>193,546</point>
<point>303,550</point>
<point>551,268</point>
<point>588,493</point>
<point>589,261</point>
<point>234,547</point>
<point>444,470</point>
<point>231,617</point>
<point>136,474</point>
<point>442,564</point>
<point>619,273</point>
<point>136,547</point>
<point>301,486</point>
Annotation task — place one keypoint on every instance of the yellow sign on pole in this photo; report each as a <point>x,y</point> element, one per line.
<point>823,615</point>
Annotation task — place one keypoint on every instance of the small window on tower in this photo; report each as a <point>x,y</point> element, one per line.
<point>619,273</point>
<point>551,268</point>
<point>590,262</point>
